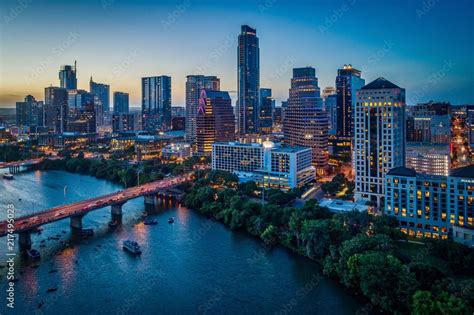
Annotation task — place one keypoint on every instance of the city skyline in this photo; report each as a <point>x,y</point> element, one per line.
<point>383,47</point>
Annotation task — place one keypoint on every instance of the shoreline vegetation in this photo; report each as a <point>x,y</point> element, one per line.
<point>367,254</point>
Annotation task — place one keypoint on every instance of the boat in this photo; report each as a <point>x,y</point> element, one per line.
<point>33,253</point>
<point>113,223</point>
<point>52,290</point>
<point>87,232</point>
<point>132,247</point>
<point>171,220</point>
<point>8,176</point>
<point>150,222</point>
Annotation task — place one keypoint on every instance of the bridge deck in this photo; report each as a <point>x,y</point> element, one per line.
<point>37,219</point>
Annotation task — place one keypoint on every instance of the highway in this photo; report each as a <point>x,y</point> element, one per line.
<point>35,220</point>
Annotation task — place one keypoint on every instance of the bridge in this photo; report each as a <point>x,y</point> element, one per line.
<point>26,225</point>
<point>14,167</point>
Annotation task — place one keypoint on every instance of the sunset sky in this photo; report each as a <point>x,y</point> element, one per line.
<point>426,47</point>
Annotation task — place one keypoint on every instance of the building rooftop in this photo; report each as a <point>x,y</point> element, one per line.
<point>402,171</point>
<point>380,83</point>
<point>336,205</point>
<point>217,94</point>
<point>465,172</point>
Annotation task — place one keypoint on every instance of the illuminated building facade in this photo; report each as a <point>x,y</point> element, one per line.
<point>379,137</point>
<point>215,120</point>
<point>267,108</point>
<point>56,109</point>
<point>348,81</point>
<point>101,94</point>
<point>434,160</point>
<point>305,122</point>
<point>432,206</point>
<point>156,103</point>
<point>121,103</point>
<point>68,77</point>
<point>29,113</point>
<point>268,164</point>
<point>248,79</point>
<point>126,122</point>
<point>194,85</point>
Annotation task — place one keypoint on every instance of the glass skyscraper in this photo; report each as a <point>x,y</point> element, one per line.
<point>267,107</point>
<point>248,78</point>
<point>67,77</point>
<point>121,102</point>
<point>156,103</point>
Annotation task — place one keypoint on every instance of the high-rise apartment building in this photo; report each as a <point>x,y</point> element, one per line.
<point>121,103</point>
<point>102,100</point>
<point>215,120</point>
<point>348,81</point>
<point>68,77</point>
<point>156,103</point>
<point>29,113</point>
<point>305,121</point>
<point>379,137</point>
<point>194,85</point>
<point>267,109</point>
<point>56,109</point>
<point>248,78</point>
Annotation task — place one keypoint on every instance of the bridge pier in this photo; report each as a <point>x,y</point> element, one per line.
<point>150,199</point>
<point>76,222</point>
<point>24,240</point>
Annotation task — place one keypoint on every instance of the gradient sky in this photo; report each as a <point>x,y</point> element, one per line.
<point>425,46</point>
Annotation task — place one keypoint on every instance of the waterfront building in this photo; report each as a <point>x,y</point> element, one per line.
<point>126,122</point>
<point>305,121</point>
<point>248,79</point>
<point>194,85</point>
<point>348,81</point>
<point>269,164</point>
<point>156,103</point>
<point>432,206</point>
<point>56,109</point>
<point>215,121</point>
<point>121,102</point>
<point>379,137</point>
<point>68,77</point>
<point>267,108</point>
<point>428,159</point>
<point>29,113</point>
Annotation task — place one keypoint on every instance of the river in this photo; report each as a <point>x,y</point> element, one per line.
<point>191,266</point>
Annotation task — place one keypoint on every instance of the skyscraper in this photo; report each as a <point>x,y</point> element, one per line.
<point>156,103</point>
<point>305,121</point>
<point>29,113</point>
<point>102,99</point>
<point>348,81</point>
<point>215,120</point>
<point>67,77</point>
<point>248,78</point>
<point>121,104</point>
<point>56,109</point>
<point>194,85</point>
<point>267,107</point>
<point>379,137</point>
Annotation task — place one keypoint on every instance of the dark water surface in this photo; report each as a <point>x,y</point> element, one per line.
<point>191,266</point>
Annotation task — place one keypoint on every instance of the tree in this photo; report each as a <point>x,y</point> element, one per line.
<point>269,236</point>
<point>315,238</point>
<point>423,303</point>
<point>383,279</point>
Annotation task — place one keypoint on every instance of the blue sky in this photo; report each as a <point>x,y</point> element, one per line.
<point>424,46</point>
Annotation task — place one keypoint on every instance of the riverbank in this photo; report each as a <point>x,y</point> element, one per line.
<point>360,250</point>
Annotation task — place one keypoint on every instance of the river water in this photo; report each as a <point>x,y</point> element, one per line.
<point>193,266</point>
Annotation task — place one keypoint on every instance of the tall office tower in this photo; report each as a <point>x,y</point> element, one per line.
<point>67,77</point>
<point>56,109</point>
<point>194,85</point>
<point>379,137</point>
<point>248,78</point>
<point>215,120</point>
<point>101,99</point>
<point>121,104</point>
<point>156,103</point>
<point>123,121</point>
<point>267,108</point>
<point>305,121</point>
<point>348,81</point>
<point>83,112</point>
<point>429,123</point>
<point>29,113</point>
